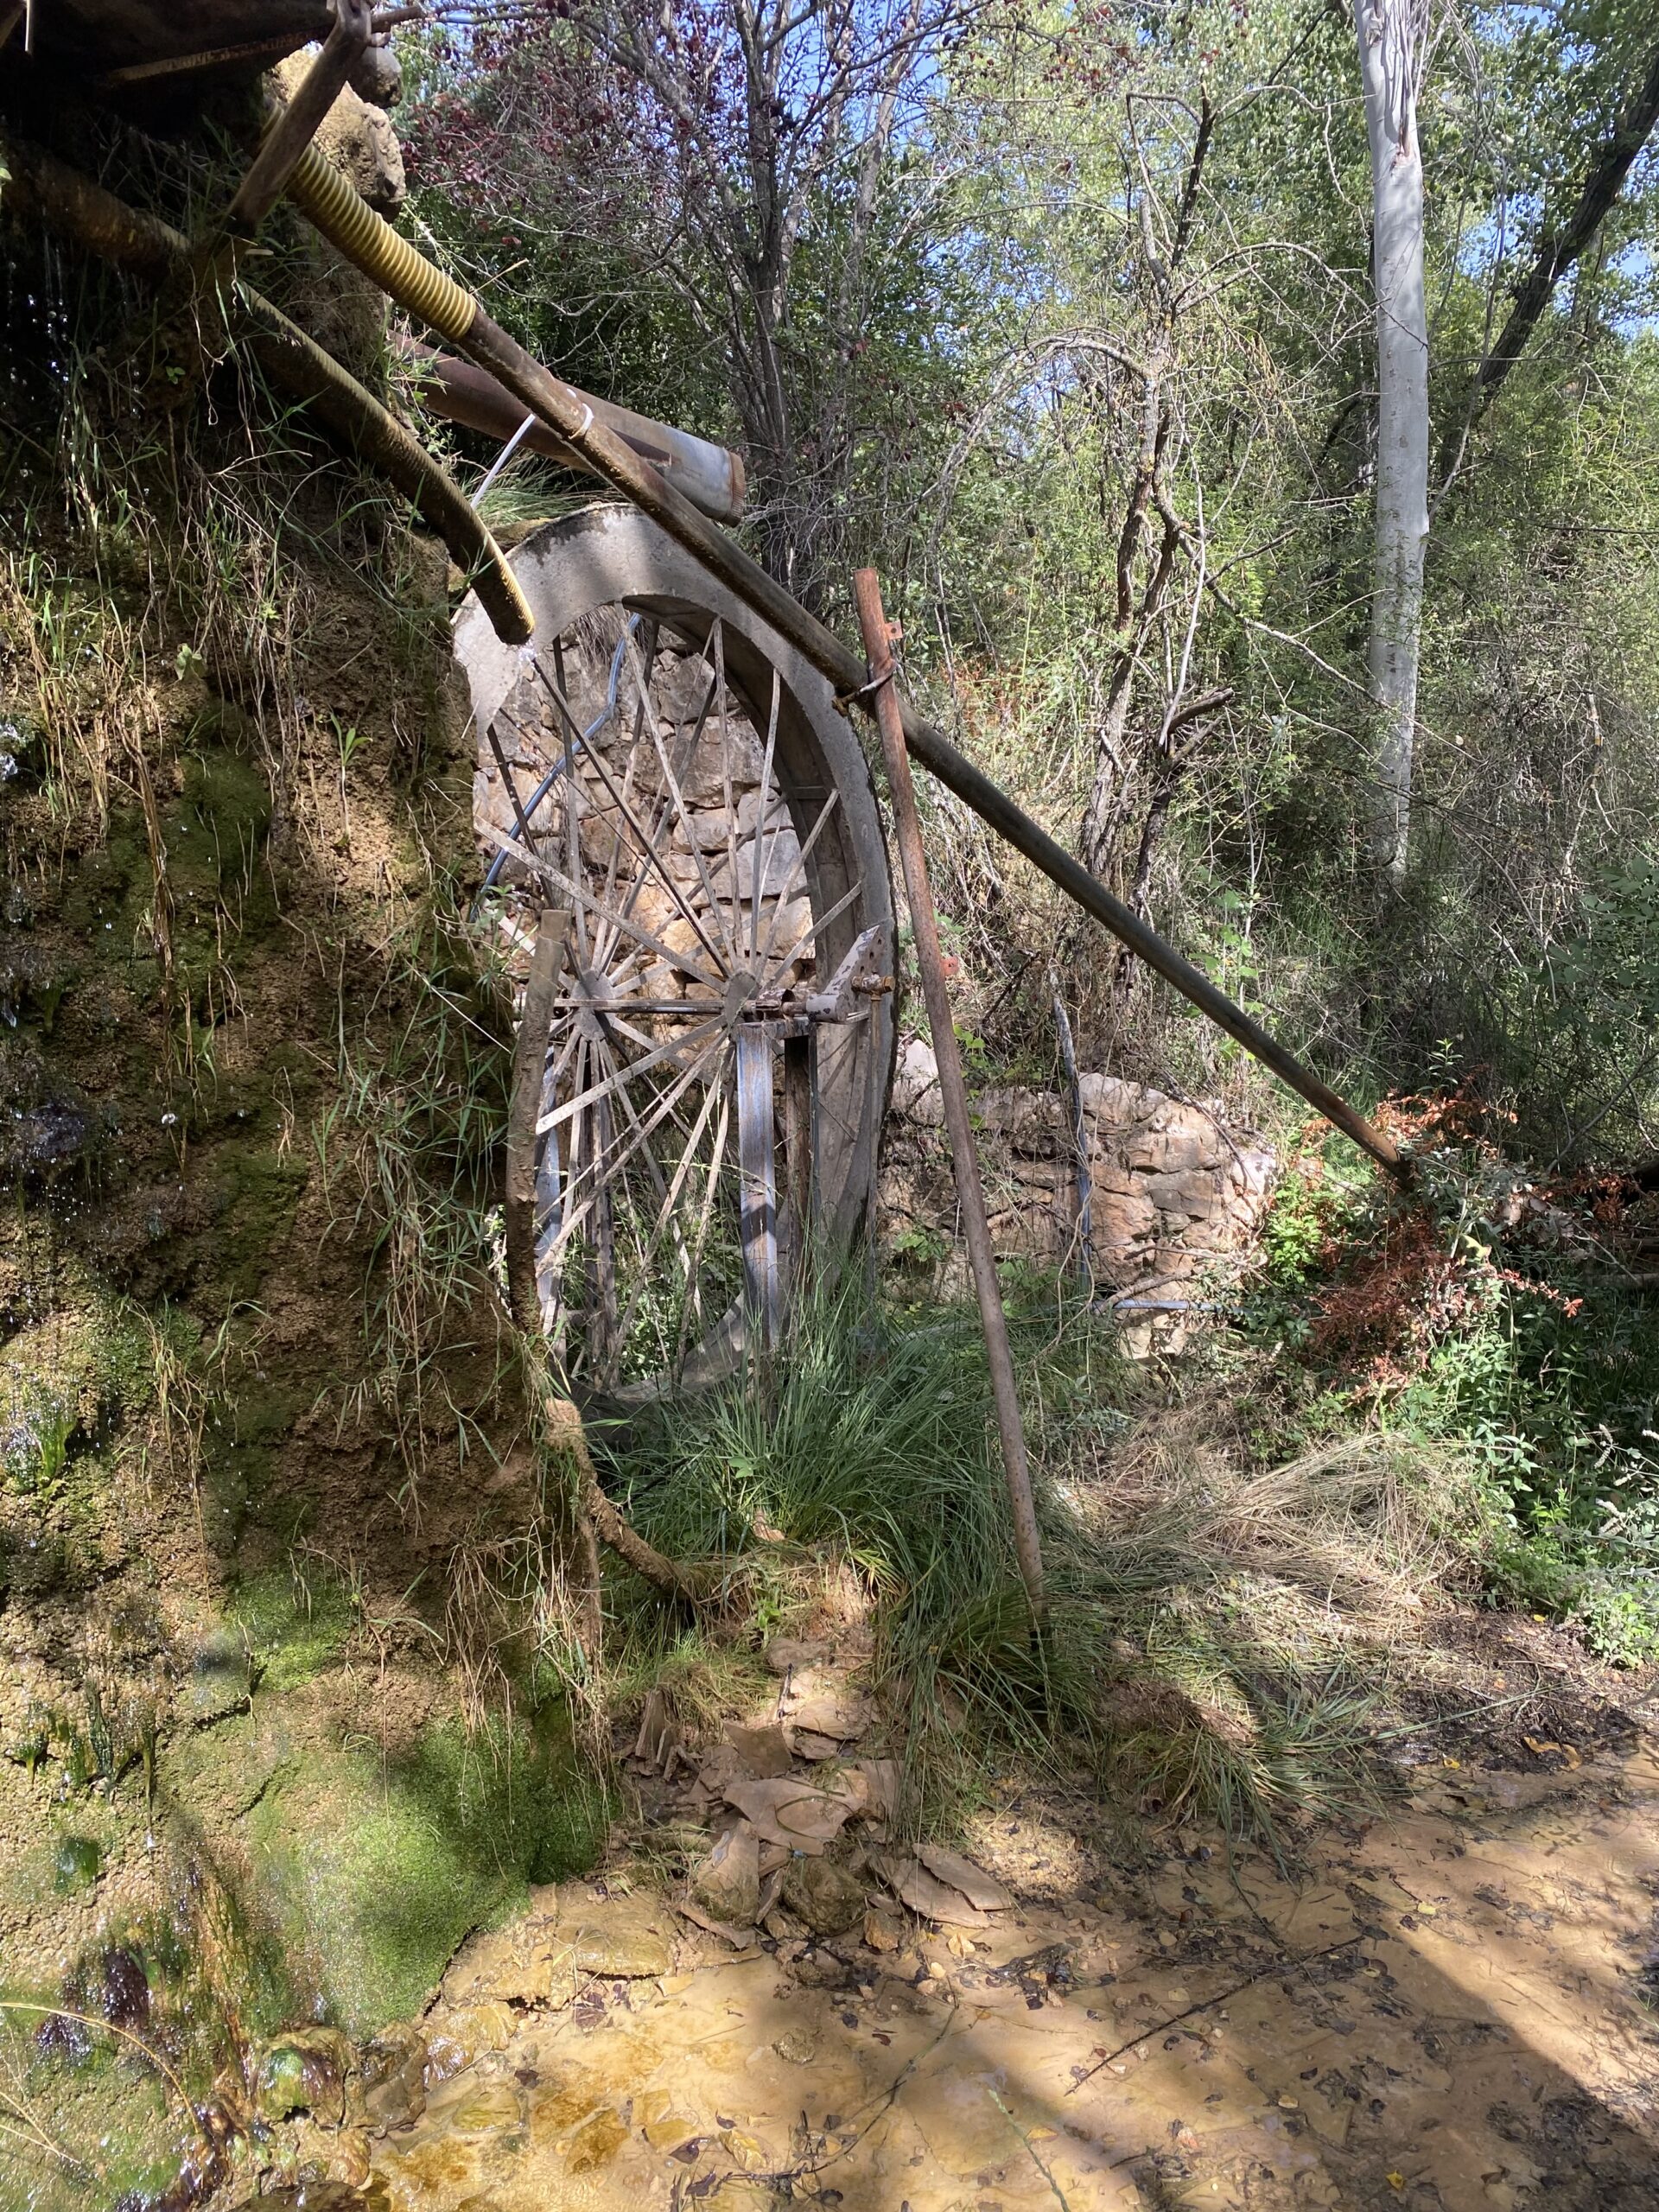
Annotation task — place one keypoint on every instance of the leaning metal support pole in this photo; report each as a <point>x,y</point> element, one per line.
<point>965,1161</point>
<point>321,87</point>
<point>424,290</point>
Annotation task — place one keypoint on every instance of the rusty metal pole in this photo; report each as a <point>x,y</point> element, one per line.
<point>964,1162</point>
<point>357,233</point>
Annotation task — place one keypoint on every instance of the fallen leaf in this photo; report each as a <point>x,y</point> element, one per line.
<point>792,1811</point>
<point>762,1753</point>
<point>934,1900</point>
<point>881,1780</point>
<point>807,1743</point>
<point>824,1703</point>
<point>976,1885</point>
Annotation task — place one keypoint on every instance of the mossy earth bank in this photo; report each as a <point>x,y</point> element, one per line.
<point>250,1086</point>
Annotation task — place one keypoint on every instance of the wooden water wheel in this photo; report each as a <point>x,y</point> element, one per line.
<point>658,762</point>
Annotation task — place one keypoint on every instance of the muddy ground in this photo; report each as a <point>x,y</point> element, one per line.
<point>1447,2005</point>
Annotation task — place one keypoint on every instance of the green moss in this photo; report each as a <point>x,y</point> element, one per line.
<point>69,1851</point>
<point>227,794</point>
<point>294,1625</point>
<point>118,2133</point>
<point>258,1194</point>
<point>76,1863</point>
<point>375,1870</point>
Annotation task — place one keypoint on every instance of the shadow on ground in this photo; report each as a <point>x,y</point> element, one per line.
<point>1445,2009</point>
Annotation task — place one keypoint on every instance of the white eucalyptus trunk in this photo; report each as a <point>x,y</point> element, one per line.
<point>1389,33</point>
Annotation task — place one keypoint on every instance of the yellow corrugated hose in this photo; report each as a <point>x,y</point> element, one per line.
<point>345,218</point>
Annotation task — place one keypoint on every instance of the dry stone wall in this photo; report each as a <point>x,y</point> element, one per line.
<point>1175,1194</point>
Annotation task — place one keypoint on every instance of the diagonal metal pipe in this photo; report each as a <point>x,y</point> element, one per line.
<point>425,290</point>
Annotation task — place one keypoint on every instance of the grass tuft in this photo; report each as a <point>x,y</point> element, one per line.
<point>1218,1630</point>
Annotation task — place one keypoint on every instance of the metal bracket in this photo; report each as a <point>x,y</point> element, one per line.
<point>860,972</point>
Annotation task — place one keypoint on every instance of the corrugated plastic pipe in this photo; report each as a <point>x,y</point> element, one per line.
<point>105,226</point>
<point>711,476</point>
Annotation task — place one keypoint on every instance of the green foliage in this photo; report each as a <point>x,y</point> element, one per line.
<point>1535,1363</point>
<point>66,1387</point>
<point>1171,1667</point>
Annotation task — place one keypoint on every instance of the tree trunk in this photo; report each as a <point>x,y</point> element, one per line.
<point>1388,32</point>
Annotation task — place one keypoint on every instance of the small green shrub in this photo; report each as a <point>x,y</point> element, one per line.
<point>1450,1323</point>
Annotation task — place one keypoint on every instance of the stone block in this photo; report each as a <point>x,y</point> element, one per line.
<point>1195,1191</point>
<point>916,1084</point>
<point>1175,1150</point>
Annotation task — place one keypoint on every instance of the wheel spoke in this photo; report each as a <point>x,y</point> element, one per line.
<point>765,787</point>
<point>650,841</point>
<point>676,802</point>
<point>794,877</point>
<point>820,923</point>
<point>653,844</point>
<point>667,1221</point>
<point>663,1106</point>
<point>636,1068</point>
<point>691,1315</point>
<point>562,883</point>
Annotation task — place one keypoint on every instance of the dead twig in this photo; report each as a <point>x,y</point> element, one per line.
<point>1234,1989</point>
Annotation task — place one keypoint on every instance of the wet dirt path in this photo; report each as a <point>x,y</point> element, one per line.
<point>1446,2009</point>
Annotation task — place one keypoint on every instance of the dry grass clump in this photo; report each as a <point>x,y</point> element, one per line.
<point>1262,1614</point>
<point>1371,1530</point>
<point>1221,1632</point>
